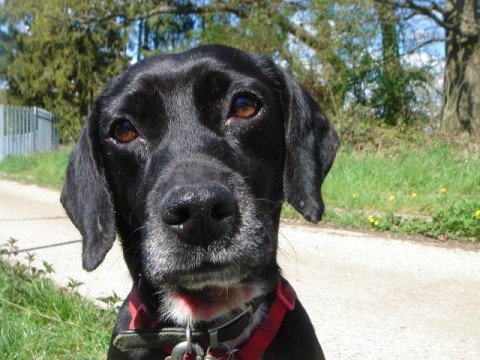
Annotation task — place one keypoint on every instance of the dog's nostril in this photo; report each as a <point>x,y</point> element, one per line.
<point>223,209</point>
<point>176,216</point>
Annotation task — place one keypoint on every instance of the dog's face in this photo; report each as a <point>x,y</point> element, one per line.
<point>188,158</point>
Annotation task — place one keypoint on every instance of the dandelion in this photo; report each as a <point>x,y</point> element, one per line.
<point>355,195</point>
<point>391,198</point>
<point>477,213</point>
<point>414,194</point>
<point>374,220</point>
<point>443,190</point>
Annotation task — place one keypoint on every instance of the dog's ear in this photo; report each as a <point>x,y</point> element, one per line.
<point>311,144</point>
<point>86,197</point>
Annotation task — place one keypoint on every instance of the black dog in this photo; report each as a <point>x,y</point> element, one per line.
<point>188,157</point>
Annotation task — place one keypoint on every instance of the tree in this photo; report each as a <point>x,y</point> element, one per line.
<point>461,88</point>
<point>391,95</point>
<point>160,31</point>
<point>461,96</point>
<point>329,45</point>
<point>354,59</point>
<point>56,64</point>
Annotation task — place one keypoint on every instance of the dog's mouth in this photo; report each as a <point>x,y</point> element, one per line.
<point>207,296</point>
<point>212,302</point>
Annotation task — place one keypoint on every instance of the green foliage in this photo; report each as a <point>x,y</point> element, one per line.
<point>40,321</point>
<point>161,33</point>
<point>366,180</point>
<point>3,97</point>
<point>460,219</point>
<point>58,64</point>
<point>411,185</point>
<point>61,60</point>
<point>342,63</point>
<point>38,168</point>
<point>258,31</point>
<point>457,221</point>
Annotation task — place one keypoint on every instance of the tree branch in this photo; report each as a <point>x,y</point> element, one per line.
<point>423,44</point>
<point>441,16</point>
<point>84,21</point>
<point>428,11</point>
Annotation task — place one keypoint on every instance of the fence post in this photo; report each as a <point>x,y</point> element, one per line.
<point>34,129</point>
<point>2,133</point>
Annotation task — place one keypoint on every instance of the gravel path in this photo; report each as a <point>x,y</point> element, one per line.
<point>369,297</point>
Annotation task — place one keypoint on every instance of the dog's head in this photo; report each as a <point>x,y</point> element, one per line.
<point>188,157</point>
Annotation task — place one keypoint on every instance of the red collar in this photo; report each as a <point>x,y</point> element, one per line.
<point>264,334</point>
<point>260,339</point>
<point>141,319</point>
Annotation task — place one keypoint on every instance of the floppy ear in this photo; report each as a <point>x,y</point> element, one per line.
<point>86,197</point>
<point>311,144</point>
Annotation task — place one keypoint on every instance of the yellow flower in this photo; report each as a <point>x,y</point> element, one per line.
<point>443,190</point>
<point>355,195</point>
<point>391,197</point>
<point>477,213</point>
<point>374,220</point>
<point>414,194</point>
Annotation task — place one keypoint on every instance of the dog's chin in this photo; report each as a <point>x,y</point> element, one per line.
<point>207,301</point>
<point>212,304</point>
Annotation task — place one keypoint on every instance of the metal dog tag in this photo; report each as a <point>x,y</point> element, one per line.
<point>182,348</point>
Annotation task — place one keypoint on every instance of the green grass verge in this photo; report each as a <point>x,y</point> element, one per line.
<point>373,189</point>
<point>39,321</point>
<point>365,189</point>
<point>414,181</point>
<point>437,189</point>
<point>46,169</point>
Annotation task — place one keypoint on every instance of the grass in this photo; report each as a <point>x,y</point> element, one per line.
<point>47,169</point>
<point>436,185</point>
<point>40,321</point>
<point>432,191</point>
<point>411,181</point>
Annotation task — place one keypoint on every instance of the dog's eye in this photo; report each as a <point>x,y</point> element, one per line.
<point>124,132</point>
<point>244,108</point>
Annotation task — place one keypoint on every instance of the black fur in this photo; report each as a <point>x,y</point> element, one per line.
<point>187,156</point>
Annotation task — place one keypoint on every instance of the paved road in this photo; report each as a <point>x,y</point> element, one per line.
<point>369,297</point>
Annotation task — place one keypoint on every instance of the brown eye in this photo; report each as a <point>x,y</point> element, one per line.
<point>244,108</point>
<point>124,132</point>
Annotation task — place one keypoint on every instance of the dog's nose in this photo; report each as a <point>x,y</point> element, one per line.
<point>199,212</point>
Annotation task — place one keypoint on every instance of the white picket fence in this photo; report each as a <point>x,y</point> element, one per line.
<point>26,129</point>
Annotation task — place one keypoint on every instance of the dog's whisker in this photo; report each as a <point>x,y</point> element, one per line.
<point>135,206</point>
<point>139,229</point>
<point>292,254</point>
<point>260,200</point>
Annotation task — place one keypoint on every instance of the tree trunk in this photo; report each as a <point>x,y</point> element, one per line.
<point>392,84</point>
<point>461,96</point>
